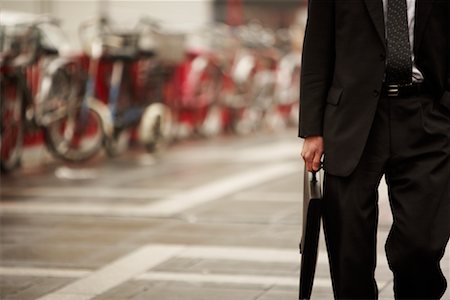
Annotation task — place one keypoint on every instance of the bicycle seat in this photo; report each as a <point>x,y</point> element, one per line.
<point>120,56</point>
<point>49,51</point>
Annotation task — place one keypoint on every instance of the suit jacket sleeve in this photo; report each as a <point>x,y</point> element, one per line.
<point>445,99</point>
<point>317,66</point>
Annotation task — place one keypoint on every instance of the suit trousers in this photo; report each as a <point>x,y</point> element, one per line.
<point>409,144</point>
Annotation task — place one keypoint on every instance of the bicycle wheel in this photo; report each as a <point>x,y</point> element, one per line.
<point>73,130</point>
<point>247,120</point>
<point>12,123</point>
<point>212,124</point>
<point>57,88</point>
<point>155,127</point>
<point>76,137</point>
<point>118,143</point>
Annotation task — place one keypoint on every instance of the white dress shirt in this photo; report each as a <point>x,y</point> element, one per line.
<point>411,5</point>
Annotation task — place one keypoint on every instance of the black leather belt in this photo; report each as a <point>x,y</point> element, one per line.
<point>403,90</point>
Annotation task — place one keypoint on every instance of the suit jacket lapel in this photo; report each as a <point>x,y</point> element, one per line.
<point>375,9</point>
<point>423,9</point>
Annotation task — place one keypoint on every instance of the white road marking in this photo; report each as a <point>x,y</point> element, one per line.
<point>76,174</point>
<point>226,278</point>
<point>84,209</point>
<point>160,276</point>
<point>138,265</point>
<point>236,279</point>
<point>86,192</point>
<point>44,272</point>
<point>254,254</point>
<point>296,196</point>
<point>220,188</point>
<point>165,207</point>
<point>67,297</point>
<point>115,273</point>
<point>241,253</point>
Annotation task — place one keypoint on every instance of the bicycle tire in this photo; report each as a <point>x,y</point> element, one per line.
<point>212,124</point>
<point>155,127</point>
<point>247,121</point>
<point>56,89</point>
<point>118,143</point>
<point>12,123</point>
<point>77,136</point>
<point>78,147</point>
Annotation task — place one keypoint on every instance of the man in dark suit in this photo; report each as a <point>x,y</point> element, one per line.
<point>375,99</point>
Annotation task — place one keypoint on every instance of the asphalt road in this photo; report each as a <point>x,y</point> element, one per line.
<point>210,219</point>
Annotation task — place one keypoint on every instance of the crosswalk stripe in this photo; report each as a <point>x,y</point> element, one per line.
<point>227,278</point>
<point>138,264</point>
<point>43,272</point>
<point>164,207</point>
<point>85,192</point>
<point>115,273</point>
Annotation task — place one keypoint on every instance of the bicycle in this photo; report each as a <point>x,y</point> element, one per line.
<point>36,85</point>
<point>123,110</point>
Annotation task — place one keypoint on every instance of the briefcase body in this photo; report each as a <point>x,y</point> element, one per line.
<point>312,213</point>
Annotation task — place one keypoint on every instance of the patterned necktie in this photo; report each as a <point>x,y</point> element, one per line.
<point>399,64</point>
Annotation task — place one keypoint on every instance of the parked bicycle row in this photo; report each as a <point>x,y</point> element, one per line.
<point>144,84</point>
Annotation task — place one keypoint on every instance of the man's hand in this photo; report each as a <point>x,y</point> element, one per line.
<point>312,152</point>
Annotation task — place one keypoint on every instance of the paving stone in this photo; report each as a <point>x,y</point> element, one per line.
<point>187,176</point>
<point>240,219</point>
<point>20,235</point>
<point>203,233</point>
<point>49,255</point>
<point>245,211</point>
<point>291,183</point>
<point>129,290</point>
<point>85,237</point>
<point>178,264</point>
<point>49,222</point>
<point>279,295</point>
<point>28,288</point>
<point>178,291</point>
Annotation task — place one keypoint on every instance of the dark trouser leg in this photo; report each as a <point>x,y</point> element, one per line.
<point>351,216</point>
<point>418,179</point>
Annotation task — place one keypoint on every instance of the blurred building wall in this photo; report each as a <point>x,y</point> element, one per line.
<point>271,13</point>
<point>182,15</point>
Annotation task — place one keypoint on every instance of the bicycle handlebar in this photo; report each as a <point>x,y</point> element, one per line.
<point>27,41</point>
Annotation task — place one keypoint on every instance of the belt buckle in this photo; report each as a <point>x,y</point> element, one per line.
<point>393,90</point>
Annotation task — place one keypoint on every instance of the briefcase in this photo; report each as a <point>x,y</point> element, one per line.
<point>312,212</point>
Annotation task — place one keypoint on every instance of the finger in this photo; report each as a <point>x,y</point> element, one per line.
<point>309,166</point>
<point>308,161</point>
<point>316,162</point>
<point>304,154</point>
<point>304,151</point>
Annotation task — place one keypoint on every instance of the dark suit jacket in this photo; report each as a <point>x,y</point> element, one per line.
<point>343,67</point>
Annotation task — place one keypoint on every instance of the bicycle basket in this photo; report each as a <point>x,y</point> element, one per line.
<point>120,45</point>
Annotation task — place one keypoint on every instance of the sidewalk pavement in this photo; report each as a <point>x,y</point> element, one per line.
<point>209,220</point>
